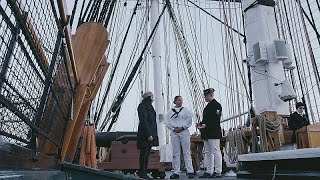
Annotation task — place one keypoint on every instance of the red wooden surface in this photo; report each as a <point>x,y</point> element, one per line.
<point>126,156</point>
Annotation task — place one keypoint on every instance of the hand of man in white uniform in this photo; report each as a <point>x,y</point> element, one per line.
<point>178,129</point>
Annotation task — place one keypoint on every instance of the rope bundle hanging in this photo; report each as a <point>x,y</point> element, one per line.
<point>236,144</point>
<point>266,127</point>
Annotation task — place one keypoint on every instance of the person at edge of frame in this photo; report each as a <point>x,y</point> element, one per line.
<point>297,120</point>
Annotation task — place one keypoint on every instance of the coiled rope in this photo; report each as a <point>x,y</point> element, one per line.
<point>266,127</point>
<point>236,144</point>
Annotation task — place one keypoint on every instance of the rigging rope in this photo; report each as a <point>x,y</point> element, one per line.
<point>215,18</point>
<point>312,59</point>
<point>311,21</point>
<point>103,12</point>
<point>92,11</point>
<point>99,113</point>
<point>110,11</point>
<point>184,48</point>
<point>294,40</point>
<point>197,48</point>
<point>73,11</point>
<point>119,100</point>
<point>81,18</point>
<point>108,117</point>
<point>115,34</point>
<point>81,13</point>
<point>143,26</point>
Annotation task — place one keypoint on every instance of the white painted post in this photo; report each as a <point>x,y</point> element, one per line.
<point>156,57</point>
<point>146,56</point>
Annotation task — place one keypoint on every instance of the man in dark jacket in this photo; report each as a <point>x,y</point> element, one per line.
<point>211,133</point>
<point>297,120</point>
<point>147,132</point>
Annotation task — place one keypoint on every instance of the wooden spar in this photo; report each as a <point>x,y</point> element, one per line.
<point>88,140</point>
<point>90,43</point>
<point>83,147</point>
<point>88,146</point>
<point>97,80</point>
<point>76,134</point>
<point>78,98</point>
<point>93,152</point>
<point>67,32</point>
<point>90,95</point>
<point>35,38</point>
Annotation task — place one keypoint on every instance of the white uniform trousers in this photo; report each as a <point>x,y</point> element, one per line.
<point>181,139</point>
<point>213,155</point>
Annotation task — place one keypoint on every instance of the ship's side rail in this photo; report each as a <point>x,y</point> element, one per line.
<point>37,78</point>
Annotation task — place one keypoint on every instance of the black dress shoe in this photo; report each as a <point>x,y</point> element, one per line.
<point>145,177</point>
<point>190,175</point>
<point>174,176</point>
<point>217,175</point>
<point>206,175</point>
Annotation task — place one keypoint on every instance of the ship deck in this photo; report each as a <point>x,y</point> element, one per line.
<point>199,173</point>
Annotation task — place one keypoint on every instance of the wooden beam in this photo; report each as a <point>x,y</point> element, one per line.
<point>43,59</point>
<point>93,151</point>
<point>90,43</point>
<point>90,95</point>
<point>88,146</point>
<point>77,134</point>
<point>67,32</point>
<point>83,147</point>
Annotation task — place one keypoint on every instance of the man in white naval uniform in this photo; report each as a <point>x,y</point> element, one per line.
<point>178,120</point>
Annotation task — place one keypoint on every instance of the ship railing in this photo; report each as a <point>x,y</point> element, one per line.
<point>235,121</point>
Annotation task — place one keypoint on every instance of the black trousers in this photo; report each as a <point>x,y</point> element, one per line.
<point>294,138</point>
<point>143,161</point>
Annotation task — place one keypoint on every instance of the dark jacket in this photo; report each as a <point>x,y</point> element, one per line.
<point>296,121</point>
<point>211,118</point>
<point>147,126</point>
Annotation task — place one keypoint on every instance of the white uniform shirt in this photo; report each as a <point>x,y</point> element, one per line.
<point>184,118</point>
